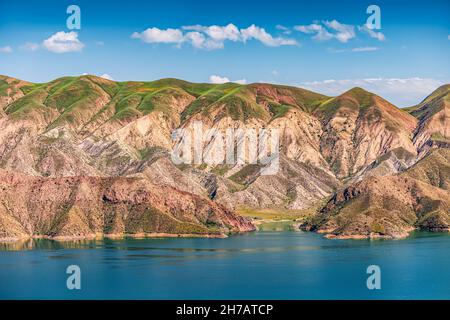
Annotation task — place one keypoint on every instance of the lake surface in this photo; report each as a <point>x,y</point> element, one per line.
<point>260,265</point>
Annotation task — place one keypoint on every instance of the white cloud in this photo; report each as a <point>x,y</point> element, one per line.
<point>104,76</point>
<point>283,29</point>
<point>6,49</point>
<point>62,42</point>
<point>333,50</point>
<point>357,49</point>
<point>402,92</point>
<point>107,76</point>
<point>211,37</point>
<point>29,46</point>
<point>200,41</point>
<point>241,81</point>
<point>197,39</point>
<point>373,34</point>
<point>155,35</point>
<point>328,30</point>
<point>254,32</point>
<point>344,32</point>
<point>217,33</point>
<point>320,32</point>
<point>219,80</point>
<point>364,49</point>
<point>312,28</point>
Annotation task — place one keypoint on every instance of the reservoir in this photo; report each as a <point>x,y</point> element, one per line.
<point>267,264</point>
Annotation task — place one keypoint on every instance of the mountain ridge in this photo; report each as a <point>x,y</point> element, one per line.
<point>93,127</point>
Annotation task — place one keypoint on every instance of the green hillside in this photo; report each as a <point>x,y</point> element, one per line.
<point>73,99</point>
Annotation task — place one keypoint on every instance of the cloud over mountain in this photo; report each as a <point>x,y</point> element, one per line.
<point>62,42</point>
<point>219,80</point>
<point>402,91</point>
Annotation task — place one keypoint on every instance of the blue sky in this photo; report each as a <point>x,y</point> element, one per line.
<point>319,45</point>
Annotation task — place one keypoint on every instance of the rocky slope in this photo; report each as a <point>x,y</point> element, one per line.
<point>359,127</point>
<point>433,114</point>
<point>99,132</point>
<point>73,207</point>
<point>391,206</point>
<point>92,126</point>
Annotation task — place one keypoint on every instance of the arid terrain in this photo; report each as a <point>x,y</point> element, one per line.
<point>85,156</point>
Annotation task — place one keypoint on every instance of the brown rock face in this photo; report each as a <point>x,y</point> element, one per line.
<point>434,121</point>
<point>359,127</point>
<point>391,206</point>
<point>88,206</point>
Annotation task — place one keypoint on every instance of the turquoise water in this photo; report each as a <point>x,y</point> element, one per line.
<point>261,265</point>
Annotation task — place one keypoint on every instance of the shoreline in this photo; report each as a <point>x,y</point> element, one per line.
<point>375,236</point>
<point>325,233</point>
<point>328,233</point>
<point>115,236</point>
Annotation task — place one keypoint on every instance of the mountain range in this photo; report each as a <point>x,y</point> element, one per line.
<point>86,156</point>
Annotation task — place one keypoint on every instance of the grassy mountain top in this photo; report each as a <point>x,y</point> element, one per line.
<point>70,96</point>
<point>358,99</point>
<point>364,103</point>
<point>353,99</point>
<point>442,91</point>
<point>72,99</point>
<point>432,104</point>
<point>10,86</point>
